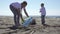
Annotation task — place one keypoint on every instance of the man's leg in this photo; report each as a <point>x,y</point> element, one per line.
<point>15,19</point>
<point>18,19</point>
<point>14,13</point>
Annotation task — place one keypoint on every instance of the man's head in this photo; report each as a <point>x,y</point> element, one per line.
<point>24,3</point>
<point>42,4</point>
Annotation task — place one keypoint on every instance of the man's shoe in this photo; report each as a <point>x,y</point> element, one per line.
<point>13,27</point>
<point>46,25</point>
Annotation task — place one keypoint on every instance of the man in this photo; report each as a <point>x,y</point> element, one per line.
<point>16,9</point>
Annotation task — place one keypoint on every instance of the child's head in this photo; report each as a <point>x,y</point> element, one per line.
<point>24,3</point>
<point>42,4</point>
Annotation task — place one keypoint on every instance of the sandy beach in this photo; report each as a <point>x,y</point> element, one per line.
<point>6,21</point>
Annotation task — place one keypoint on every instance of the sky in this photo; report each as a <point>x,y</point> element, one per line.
<point>32,8</point>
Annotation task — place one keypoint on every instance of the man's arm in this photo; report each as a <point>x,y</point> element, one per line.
<point>26,12</point>
<point>22,17</point>
<point>20,14</point>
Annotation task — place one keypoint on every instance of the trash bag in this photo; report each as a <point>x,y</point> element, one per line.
<point>33,22</point>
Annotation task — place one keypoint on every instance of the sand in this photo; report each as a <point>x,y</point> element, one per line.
<point>6,21</point>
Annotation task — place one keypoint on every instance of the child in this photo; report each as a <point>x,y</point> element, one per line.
<point>16,9</point>
<point>43,14</point>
